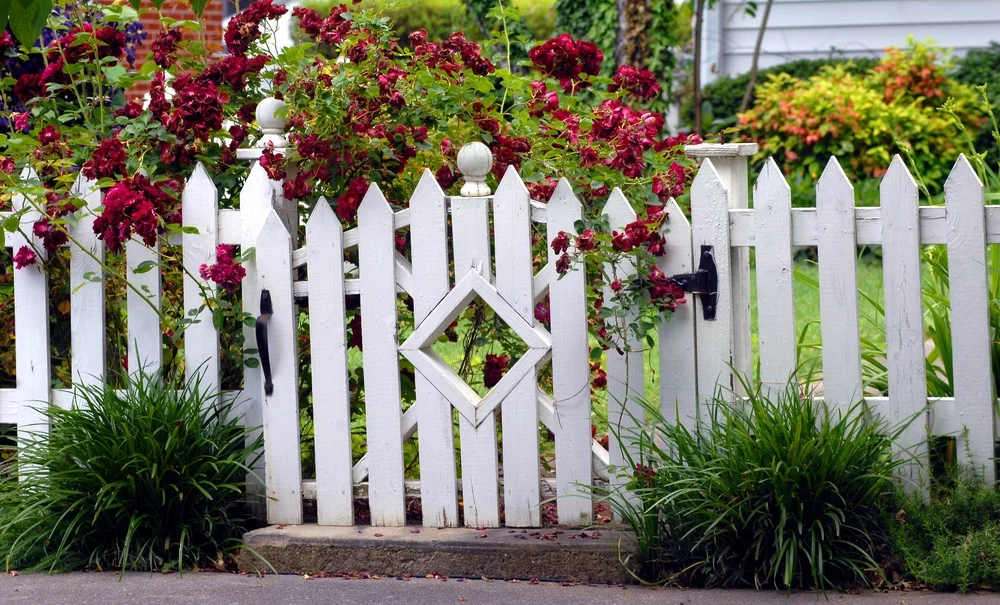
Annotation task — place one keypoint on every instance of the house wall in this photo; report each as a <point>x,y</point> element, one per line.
<point>812,29</point>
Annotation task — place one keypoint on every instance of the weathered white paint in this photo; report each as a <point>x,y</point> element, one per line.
<point>772,200</point>
<point>145,339</point>
<point>570,368</point>
<point>330,379</point>
<point>970,314</point>
<point>514,282</point>
<point>838,288</point>
<point>376,250</point>
<point>200,209</point>
<point>678,378</point>
<point>429,245</point>
<point>904,319</point>
<point>816,29</point>
<point>87,321</point>
<point>281,408</point>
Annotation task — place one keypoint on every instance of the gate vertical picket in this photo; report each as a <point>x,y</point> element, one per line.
<point>470,220</point>
<point>970,314</point>
<point>710,227</point>
<point>838,288</point>
<point>625,374</point>
<point>200,209</point>
<point>904,319</point>
<point>570,368</point>
<point>256,203</point>
<point>772,201</point>
<point>31,325</point>
<point>281,408</point>
<point>678,384</point>
<point>376,253</point>
<point>88,337</point>
<point>512,222</point>
<point>145,339</point>
<point>328,357</point>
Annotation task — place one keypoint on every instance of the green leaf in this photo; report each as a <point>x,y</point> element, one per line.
<point>114,73</point>
<point>4,12</point>
<point>26,21</point>
<point>11,223</point>
<point>198,6</point>
<point>145,267</point>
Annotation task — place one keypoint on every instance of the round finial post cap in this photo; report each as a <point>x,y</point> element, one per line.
<point>475,160</point>
<point>268,117</point>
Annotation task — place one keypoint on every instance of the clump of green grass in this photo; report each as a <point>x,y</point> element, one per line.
<point>775,491</point>
<point>953,541</point>
<point>152,477</point>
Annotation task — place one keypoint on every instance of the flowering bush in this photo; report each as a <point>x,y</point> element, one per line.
<point>863,118</point>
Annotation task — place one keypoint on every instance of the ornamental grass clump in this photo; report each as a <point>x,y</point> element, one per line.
<point>152,477</point>
<point>776,491</point>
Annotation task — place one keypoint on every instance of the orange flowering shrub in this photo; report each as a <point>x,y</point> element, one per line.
<point>864,119</point>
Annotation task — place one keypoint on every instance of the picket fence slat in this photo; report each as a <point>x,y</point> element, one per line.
<point>281,408</point>
<point>678,386</point>
<point>514,282</point>
<point>625,368</point>
<point>480,474</point>
<point>970,314</point>
<point>256,203</point>
<point>330,378</point>
<point>431,283</point>
<point>31,325</point>
<point>200,209</point>
<point>710,221</point>
<point>838,288</point>
<point>144,301</point>
<point>376,246</point>
<point>775,292</point>
<point>570,368</point>
<point>904,325</point>
<point>87,334</point>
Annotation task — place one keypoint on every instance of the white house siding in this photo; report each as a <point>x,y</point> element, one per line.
<point>812,29</point>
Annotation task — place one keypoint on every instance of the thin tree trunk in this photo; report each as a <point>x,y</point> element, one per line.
<point>622,40</point>
<point>699,23</point>
<point>756,57</point>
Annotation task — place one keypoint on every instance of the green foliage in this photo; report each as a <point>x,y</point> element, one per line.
<point>952,542</point>
<point>982,66</point>
<point>865,119</point>
<point>723,96</point>
<point>148,478</point>
<point>776,491</point>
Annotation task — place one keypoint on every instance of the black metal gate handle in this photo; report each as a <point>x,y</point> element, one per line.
<point>266,311</point>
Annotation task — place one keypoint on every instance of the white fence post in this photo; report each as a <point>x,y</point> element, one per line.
<point>625,373</point>
<point>429,245</point>
<point>570,368</point>
<point>970,314</point>
<point>200,209</point>
<point>281,407</point>
<point>772,201</point>
<point>145,334</point>
<point>521,468</point>
<point>88,337</point>
<point>730,162</point>
<point>471,243</point>
<point>904,318</point>
<point>31,326</point>
<point>376,253</point>
<point>678,373</point>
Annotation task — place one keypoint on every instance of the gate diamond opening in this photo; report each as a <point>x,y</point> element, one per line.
<point>418,348</point>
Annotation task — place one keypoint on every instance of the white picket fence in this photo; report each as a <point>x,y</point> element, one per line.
<point>695,354</point>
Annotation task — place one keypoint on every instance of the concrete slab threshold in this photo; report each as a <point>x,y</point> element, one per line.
<point>594,555</point>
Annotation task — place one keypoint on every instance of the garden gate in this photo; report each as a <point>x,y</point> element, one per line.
<point>700,355</point>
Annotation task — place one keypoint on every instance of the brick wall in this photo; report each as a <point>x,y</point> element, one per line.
<point>211,21</point>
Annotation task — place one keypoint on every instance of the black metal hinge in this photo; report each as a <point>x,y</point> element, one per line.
<point>704,282</point>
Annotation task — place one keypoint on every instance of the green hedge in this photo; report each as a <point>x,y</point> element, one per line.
<point>983,67</point>
<point>723,96</point>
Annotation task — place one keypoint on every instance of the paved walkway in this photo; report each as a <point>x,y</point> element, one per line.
<point>212,588</point>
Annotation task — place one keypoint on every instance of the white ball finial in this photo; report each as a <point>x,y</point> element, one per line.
<point>475,160</point>
<point>272,124</point>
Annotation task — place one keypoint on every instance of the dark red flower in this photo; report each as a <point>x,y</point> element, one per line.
<point>446,177</point>
<point>25,257</point>
<point>134,205</point>
<point>226,272</point>
<point>566,59</point>
<point>560,243</point>
<point>49,135</point>
<point>197,110</point>
<point>543,312</point>
<point>244,28</point>
<point>107,161</point>
<point>350,201</point>
<point>130,110</point>
<point>52,237</point>
<point>164,48</point>
<point>563,264</point>
<point>621,242</point>
<point>585,241</point>
<point>639,83</point>
<point>273,164</point>
<point>494,369</point>
<point>7,165</point>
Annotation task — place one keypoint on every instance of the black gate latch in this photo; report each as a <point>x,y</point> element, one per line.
<point>704,282</point>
